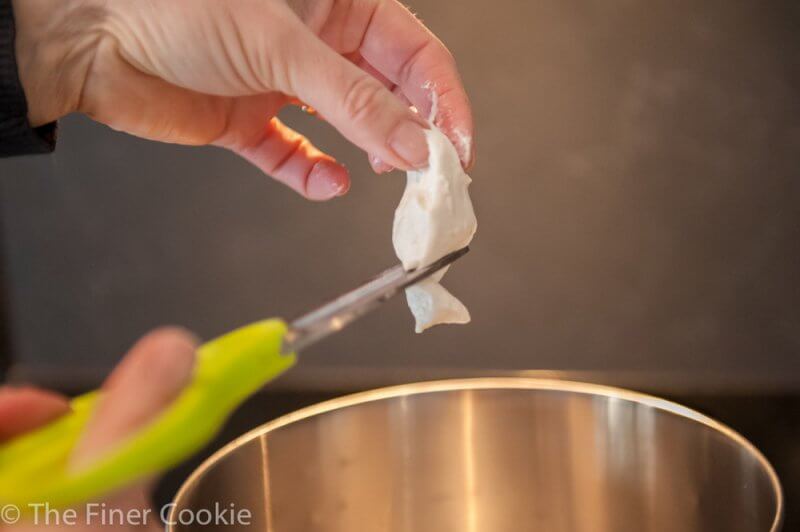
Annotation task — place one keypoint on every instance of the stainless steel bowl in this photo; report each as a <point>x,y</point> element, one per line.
<point>489,455</point>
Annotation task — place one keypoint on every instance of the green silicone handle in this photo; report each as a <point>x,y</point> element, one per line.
<point>34,468</point>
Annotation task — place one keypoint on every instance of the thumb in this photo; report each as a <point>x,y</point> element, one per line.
<point>358,105</point>
<point>149,378</point>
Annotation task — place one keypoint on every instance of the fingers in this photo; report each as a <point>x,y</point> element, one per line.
<point>241,124</point>
<point>148,379</point>
<point>280,152</point>
<point>24,409</point>
<point>355,103</point>
<point>364,65</point>
<point>158,110</point>
<point>290,158</point>
<point>404,51</point>
<point>377,164</point>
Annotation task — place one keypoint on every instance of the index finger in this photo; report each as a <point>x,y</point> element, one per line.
<point>401,48</point>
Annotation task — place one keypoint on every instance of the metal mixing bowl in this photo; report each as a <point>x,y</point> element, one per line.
<point>490,455</point>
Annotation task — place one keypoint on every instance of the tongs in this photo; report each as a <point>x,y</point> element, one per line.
<point>34,467</point>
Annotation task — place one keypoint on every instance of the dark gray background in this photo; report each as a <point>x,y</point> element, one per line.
<point>637,191</point>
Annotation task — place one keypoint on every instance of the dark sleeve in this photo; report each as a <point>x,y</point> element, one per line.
<point>17,137</point>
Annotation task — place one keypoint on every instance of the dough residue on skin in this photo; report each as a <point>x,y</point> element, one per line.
<point>434,218</point>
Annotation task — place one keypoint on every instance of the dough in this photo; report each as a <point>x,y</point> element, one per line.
<point>434,218</point>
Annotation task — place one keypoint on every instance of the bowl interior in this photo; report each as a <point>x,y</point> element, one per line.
<point>478,456</point>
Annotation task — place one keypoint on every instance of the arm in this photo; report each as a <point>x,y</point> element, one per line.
<point>17,135</point>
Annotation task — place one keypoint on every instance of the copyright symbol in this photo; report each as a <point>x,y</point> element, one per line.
<point>9,514</point>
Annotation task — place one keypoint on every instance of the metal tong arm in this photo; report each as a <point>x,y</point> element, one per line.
<point>345,309</point>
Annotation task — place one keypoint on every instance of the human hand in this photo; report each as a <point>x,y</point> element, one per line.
<point>148,379</point>
<point>210,72</point>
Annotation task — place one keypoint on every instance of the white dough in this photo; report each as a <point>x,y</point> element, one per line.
<point>434,218</point>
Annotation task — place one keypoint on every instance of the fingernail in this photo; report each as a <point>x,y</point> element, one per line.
<point>343,188</point>
<point>378,165</point>
<point>409,143</point>
<point>324,183</point>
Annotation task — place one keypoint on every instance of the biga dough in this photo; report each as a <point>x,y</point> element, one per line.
<point>435,217</point>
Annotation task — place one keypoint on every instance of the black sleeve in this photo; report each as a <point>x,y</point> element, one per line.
<point>17,137</point>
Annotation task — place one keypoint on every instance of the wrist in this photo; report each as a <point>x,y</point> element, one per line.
<point>55,44</point>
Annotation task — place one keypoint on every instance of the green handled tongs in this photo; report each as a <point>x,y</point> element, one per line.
<point>34,467</point>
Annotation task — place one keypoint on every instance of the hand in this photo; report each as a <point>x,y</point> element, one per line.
<point>149,378</point>
<point>216,72</point>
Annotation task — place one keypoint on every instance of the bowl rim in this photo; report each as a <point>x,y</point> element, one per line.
<point>485,383</point>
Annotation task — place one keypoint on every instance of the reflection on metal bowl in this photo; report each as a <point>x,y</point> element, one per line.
<point>490,455</point>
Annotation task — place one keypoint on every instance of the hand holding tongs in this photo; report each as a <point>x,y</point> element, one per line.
<point>34,466</point>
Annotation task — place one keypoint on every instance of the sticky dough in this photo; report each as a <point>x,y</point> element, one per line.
<point>434,218</point>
